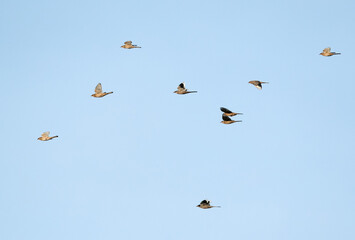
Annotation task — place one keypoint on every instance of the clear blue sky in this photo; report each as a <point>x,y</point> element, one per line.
<point>134,164</point>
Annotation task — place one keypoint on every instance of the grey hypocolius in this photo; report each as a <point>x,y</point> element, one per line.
<point>182,90</point>
<point>45,137</point>
<point>327,53</point>
<point>205,204</point>
<point>128,45</point>
<point>257,84</point>
<point>98,92</point>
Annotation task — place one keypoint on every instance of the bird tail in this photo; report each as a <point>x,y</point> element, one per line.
<point>237,120</point>
<point>191,91</point>
<point>336,53</point>
<point>54,137</point>
<point>216,206</point>
<point>264,82</point>
<point>109,92</point>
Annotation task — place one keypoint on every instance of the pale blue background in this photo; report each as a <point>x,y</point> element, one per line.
<point>134,164</point>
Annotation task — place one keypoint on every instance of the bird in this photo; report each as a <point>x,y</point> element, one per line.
<point>98,92</point>
<point>45,137</point>
<point>257,84</point>
<point>327,53</point>
<point>128,45</point>
<point>227,112</point>
<point>227,120</point>
<point>182,90</point>
<point>205,204</point>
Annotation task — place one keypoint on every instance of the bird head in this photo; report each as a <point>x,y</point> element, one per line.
<point>92,95</point>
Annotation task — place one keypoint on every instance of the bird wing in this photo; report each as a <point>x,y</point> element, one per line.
<point>326,50</point>
<point>98,88</point>
<point>226,118</point>
<point>45,134</point>
<point>128,42</point>
<point>257,84</point>
<point>225,110</point>
<point>205,202</point>
<point>181,86</point>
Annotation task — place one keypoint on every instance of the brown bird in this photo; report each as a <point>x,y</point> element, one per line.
<point>98,92</point>
<point>327,53</point>
<point>227,112</point>
<point>182,90</point>
<point>257,84</point>
<point>205,204</point>
<point>45,137</point>
<point>227,120</point>
<point>128,45</point>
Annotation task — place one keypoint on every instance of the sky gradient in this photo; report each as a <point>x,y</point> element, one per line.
<point>134,164</point>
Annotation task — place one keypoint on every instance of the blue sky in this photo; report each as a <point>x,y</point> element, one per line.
<point>134,164</point>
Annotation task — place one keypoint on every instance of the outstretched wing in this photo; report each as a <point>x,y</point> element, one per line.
<point>181,86</point>
<point>326,50</point>
<point>226,118</point>
<point>45,134</point>
<point>128,42</point>
<point>225,110</point>
<point>257,84</point>
<point>205,202</point>
<point>98,88</point>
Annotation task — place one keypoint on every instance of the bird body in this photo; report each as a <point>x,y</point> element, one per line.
<point>205,204</point>
<point>45,137</point>
<point>128,45</point>
<point>227,112</point>
<point>257,84</point>
<point>228,120</point>
<point>327,53</point>
<point>182,90</point>
<point>98,92</point>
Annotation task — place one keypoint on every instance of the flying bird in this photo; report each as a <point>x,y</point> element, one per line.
<point>327,53</point>
<point>182,90</point>
<point>227,112</point>
<point>257,84</point>
<point>98,92</point>
<point>205,204</point>
<point>128,45</point>
<point>227,120</point>
<point>45,137</point>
